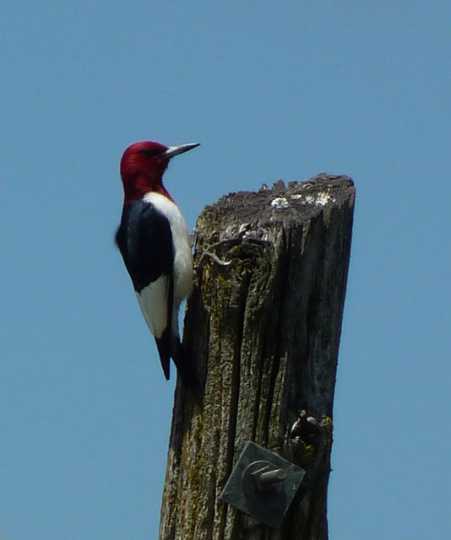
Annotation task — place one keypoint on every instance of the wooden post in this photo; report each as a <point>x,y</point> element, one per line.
<point>265,332</point>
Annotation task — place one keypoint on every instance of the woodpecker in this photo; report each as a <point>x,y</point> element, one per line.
<point>154,243</point>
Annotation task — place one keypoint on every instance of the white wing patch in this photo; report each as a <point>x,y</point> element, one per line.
<point>153,301</point>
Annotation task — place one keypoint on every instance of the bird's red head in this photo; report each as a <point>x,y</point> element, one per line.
<point>143,165</point>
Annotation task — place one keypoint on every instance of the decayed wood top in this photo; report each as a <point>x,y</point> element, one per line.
<point>264,332</point>
<point>294,203</point>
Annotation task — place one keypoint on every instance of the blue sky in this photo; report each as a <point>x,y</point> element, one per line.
<point>271,91</point>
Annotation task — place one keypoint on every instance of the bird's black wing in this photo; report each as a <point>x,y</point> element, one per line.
<point>144,239</point>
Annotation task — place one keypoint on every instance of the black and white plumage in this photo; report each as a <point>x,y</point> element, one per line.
<point>154,243</point>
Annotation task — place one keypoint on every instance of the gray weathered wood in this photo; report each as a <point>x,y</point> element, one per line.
<point>265,332</point>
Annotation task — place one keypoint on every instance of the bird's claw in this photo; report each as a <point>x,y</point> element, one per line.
<point>213,256</point>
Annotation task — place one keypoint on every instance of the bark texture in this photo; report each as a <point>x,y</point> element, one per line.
<point>264,331</point>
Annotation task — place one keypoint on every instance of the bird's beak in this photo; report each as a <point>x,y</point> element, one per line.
<point>176,150</point>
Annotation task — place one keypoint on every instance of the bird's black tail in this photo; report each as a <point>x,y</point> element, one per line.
<point>186,368</point>
<point>164,350</point>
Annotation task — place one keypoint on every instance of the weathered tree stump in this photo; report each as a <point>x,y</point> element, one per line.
<point>265,332</point>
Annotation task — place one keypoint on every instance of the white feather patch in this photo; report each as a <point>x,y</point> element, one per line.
<point>153,302</point>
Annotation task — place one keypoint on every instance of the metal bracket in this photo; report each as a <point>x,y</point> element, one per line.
<point>262,484</point>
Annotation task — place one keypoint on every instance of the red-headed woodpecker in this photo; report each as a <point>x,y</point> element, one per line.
<point>154,243</point>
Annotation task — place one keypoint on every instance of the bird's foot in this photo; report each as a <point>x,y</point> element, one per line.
<point>214,257</point>
<point>206,252</point>
<point>230,242</point>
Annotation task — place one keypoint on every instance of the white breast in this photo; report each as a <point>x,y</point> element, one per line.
<point>183,259</point>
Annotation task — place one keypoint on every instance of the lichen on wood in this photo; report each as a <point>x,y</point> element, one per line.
<point>264,331</point>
